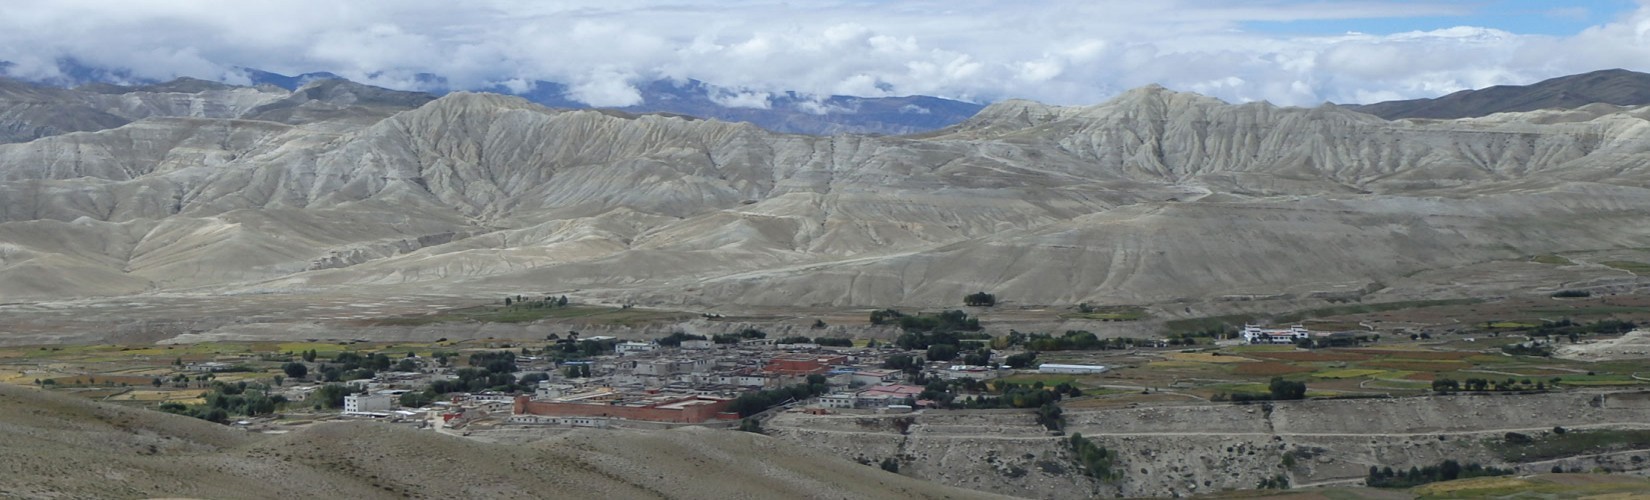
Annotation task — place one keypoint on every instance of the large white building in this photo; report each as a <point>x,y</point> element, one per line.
<point>1254,334</point>
<point>624,348</point>
<point>367,403</point>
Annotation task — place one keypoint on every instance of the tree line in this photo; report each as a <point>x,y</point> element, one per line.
<point>1448,470</point>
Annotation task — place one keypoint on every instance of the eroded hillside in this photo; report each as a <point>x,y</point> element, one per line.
<point>59,446</point>
<point>1153,197</point>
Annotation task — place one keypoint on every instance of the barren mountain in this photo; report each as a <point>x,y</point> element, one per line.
<point>1154,196</point>
<point>785,112</point>
<point>58,446</point>
<point>1617,87</point>
<point>29,111</point>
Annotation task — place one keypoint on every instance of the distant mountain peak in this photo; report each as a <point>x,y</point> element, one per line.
<point>1618,87</point>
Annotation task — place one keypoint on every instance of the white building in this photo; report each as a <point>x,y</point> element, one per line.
<point>624,348</point>
<point>1253,334</point>
<point>547,389</point>
<point>597,422</point>
<point>698,344</point>
<point>838,400</point>
<point>1059,368</point>
<point>365,403</point>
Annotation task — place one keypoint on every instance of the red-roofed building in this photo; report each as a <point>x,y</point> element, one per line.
<point>803,364</point>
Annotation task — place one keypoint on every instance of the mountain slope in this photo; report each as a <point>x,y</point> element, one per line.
<point>30,111</point>
<point>1154,195</point>
<point>57,446</point>
<point>1613,86</point>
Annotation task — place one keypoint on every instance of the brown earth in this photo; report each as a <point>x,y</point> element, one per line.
<point>56,446</point>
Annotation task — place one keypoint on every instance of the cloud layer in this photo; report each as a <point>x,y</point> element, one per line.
<point>1065,52</point>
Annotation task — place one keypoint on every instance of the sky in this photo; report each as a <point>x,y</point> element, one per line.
<point>1070,52</point>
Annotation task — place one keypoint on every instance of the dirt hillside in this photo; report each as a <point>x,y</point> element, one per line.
<point>59,447</point>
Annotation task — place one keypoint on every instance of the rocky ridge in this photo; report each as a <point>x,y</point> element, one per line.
<point>1154,196</point>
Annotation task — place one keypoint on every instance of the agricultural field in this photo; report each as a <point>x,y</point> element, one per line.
<point>1539,486</point>
<point>1391,367</point>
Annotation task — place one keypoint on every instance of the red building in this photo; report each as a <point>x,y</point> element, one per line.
<point>803,364</point>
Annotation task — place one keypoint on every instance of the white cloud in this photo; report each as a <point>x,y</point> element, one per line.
<point>1059,51</point>
<point>731,99</point>
<point>606,87</point>
<point>821,107</point>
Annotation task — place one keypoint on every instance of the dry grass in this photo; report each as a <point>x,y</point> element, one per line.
<point>1347,373</point>
<point>1465,486</point>
<point>55,440</point>
<point>1312,356</point>
<point>1418,365</point>
<point>1207,357</point>
<point>1417,354</point>
<point>1269,369</point>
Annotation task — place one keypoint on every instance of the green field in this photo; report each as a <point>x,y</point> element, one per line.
<point>1572,443</point>
<point>1048,379</point>
<point>1538,486</point>
<point>1348,373</point>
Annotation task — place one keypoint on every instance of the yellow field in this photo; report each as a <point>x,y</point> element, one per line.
<point>1206,357</point>
<point>1261,348</point>
<point>1172,365</point>
<point>191,395</point>
<point>1347,373</point>
<point>1474,484</point>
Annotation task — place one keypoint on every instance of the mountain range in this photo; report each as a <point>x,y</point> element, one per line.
<point>786,112</point>
<point>1616,87</point>
<point>1153,197</point>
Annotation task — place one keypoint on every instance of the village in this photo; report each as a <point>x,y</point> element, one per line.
<point>739,378</point>
<point>603,382</point>
<point>688,382</point>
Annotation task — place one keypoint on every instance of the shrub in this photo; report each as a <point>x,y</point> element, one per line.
<point>890,465</point>
<point>980,299</point>
<point>1284,390</point>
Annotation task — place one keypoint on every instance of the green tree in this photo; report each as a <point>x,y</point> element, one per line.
<point>980,299</point>
<point>416,399</point>
<point>295,370</point>
<point>1022,360</point>
<point>1284,390</point>
<point>942,352</point>
<point>1445,385</point>
<point>329,396</point>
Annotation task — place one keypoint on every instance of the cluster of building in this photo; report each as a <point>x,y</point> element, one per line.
<point>698,381</point>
